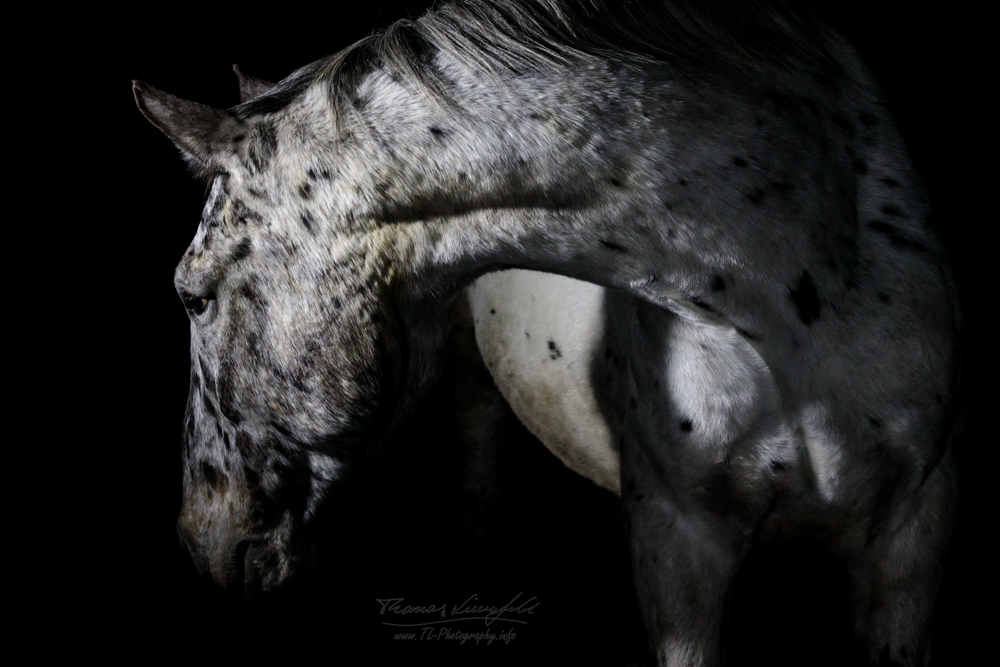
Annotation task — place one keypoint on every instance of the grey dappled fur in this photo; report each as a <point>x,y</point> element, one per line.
<point>734,169</point>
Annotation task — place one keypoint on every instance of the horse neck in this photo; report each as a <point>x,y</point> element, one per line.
<point>544,173</point>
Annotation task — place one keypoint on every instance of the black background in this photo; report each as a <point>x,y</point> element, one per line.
<point>395,530</point>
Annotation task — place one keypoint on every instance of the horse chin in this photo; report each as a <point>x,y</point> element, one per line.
<point>270,567</point>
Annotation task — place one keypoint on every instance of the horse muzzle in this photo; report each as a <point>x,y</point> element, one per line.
<point>246,565</point>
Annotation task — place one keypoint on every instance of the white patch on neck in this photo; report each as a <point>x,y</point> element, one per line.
<point>538,334</point>
<point>824,452</point>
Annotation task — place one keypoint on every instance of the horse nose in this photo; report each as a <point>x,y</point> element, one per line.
<point>220,558</point>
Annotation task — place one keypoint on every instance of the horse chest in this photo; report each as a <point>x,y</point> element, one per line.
<point>542,337</point>
<point>538,334</point>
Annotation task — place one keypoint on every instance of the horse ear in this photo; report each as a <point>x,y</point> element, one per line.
<point>251,86</point>
<point>204,134</point>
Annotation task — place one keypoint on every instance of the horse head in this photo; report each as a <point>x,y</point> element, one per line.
<point>297,350</point>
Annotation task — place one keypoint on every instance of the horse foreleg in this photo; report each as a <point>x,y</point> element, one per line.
<point>897,573</point>
<point>483,420</point>
<point>684,556</point>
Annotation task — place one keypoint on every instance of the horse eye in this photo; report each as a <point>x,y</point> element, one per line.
<point>195,305</point>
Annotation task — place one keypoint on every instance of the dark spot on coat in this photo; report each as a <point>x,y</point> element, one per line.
<point>701,304</point>
<point>226,399</point>
<point>243,249</point>
<point>307,221</point>
<point>493,311</point>
<point>890,209</point>
<point>243,213</point>
<point>890,182</point>
<point>718,283</point>
<point>438,132</point>
<point>805,298</point>
<point>781,187</point>
<point>249,291</point>
<point>757,196</point>
<point>740,162</point>
<point>213,476</point>
<point>860,166</point>
<point>280,428</point>
<point>686,425</point>
<point>611,245</point>
<point>206,376</point>
<point>884,298</point>
<point>875,421</point>
<point>554,351</point>
<point>250,475</point>
<point>217,206</point>
<point>897,238</point>
<point>632,403</point>
<point>615,182</point>
<point>263,145</point>
<point>305,190</point>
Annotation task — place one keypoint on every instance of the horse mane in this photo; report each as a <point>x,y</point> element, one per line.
<point>500,38</point>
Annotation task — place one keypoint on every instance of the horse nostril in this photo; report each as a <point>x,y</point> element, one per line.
<point>258,561</point>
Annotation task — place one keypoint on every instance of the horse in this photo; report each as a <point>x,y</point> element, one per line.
<point>698,260</point>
